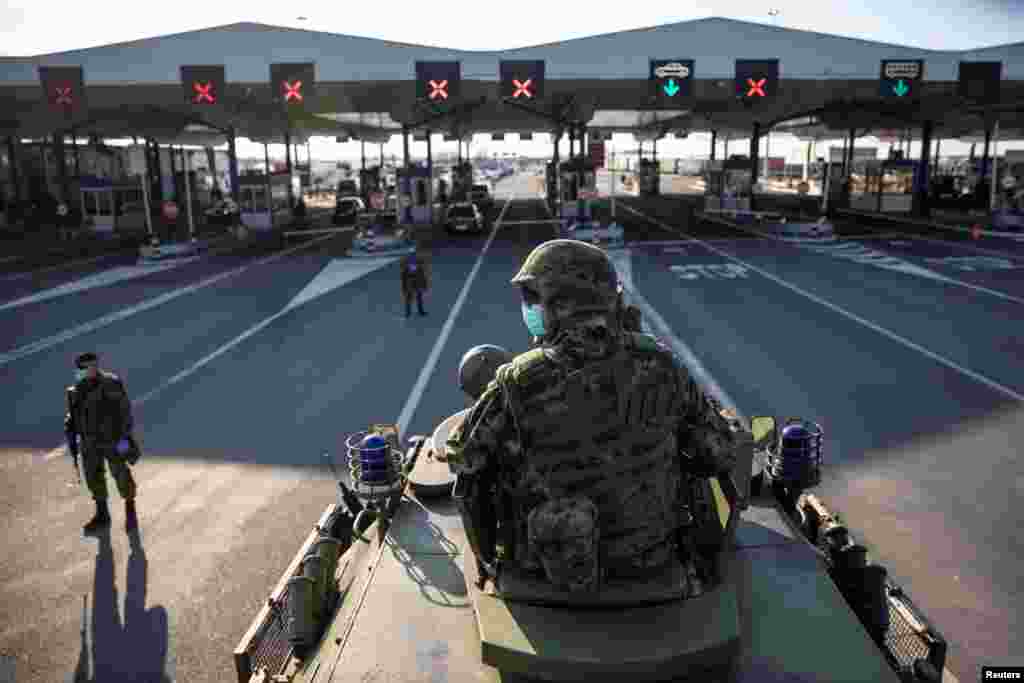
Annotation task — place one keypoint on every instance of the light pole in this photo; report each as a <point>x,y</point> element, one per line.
<point>774,14</point>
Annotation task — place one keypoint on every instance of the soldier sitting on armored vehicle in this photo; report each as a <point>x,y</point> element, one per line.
<point>577,459</point>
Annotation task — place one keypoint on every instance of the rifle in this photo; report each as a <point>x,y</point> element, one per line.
<point>71,435</point>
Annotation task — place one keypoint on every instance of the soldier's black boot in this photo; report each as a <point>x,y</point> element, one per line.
<point>101,520</point>
<point>131,522</point>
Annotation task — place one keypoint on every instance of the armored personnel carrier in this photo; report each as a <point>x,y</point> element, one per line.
<point>764,584</point>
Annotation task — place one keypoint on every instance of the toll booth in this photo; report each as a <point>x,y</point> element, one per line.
<point>727,185</point>
<point>415,196</point>
<point>578,182</point>
<point>649,178</point>
<point>835,188</point>
<point>263,202</point>
<point>550,183</point>
<point>369,182</point>
<point>462,181</point>
<point>111,207</point>
<point>888,186</point>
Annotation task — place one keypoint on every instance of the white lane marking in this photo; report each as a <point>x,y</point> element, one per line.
<point>992,384</point>
<point>428,368</point>
<point>117,316</point>
<point>973,263</point>
<point>860,253</point>
<point>1016,236</point>
<point>336,274</point>
<point>59,266</point>
<point>539,221</point>
<point>961,245</point>
<point>653,323</point>
<point>101,279</point>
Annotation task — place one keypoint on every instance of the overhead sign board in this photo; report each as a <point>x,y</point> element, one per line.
<point>438,82</point>
<point>294,83</point>
<point>63,88</point>
<point>901,78</point>
<point>522,80</point>
<point>756,79</point>
<point>203,85</point>
<point>980,82</point>
<point>670,79</point>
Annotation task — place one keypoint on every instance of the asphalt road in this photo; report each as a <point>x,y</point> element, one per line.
<point>246,366</point>
<point>907,352</point>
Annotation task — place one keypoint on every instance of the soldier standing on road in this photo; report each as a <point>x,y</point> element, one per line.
<point>414,282</point>
<point>99,424</point>
<point>587,436</point>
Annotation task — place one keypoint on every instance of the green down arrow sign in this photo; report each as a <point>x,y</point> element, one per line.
<point>900,88</point>
<point>671,88</point>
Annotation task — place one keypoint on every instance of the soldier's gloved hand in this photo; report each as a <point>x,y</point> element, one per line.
<point>123,446</point>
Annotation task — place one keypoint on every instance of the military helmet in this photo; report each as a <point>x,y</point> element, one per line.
<point>479,366</point>
<point>572,271</point>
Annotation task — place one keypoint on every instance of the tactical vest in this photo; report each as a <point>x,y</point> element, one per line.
<point>97,409</point>
<point>606,431</point>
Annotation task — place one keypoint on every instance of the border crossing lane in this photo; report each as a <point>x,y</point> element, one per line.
<point>775,351</point>
<point>975,331</point>
<point>148,342</point>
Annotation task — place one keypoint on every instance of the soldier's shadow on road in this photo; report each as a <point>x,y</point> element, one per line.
<point>134,649</point>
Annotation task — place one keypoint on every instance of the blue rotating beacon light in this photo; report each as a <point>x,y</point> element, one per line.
<point>795,464</point>
<point>377,473</point>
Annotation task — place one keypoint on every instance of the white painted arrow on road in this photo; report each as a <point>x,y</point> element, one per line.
<point>102,279</point>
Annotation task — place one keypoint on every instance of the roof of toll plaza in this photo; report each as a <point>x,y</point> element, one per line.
<point>364,87</point>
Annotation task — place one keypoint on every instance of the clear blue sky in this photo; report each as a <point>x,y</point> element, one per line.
<point>31,27</point>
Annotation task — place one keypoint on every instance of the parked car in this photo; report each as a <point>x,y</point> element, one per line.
<point>480,195</point>
<point>347,188</point>
<point>223,212</point>
<point>464,217</point>
<point>347,210</point>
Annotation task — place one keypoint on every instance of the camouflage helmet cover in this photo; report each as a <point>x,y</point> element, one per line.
<point>573,271</point>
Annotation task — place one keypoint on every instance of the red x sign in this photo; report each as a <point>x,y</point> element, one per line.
<point>438,89</point>
<point>522,87</point>
<point>203,93</point>
<point>63,93</point>
<point>756,87</point>
<point>292,91</point>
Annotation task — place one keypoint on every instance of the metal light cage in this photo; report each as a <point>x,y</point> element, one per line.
<point>780,464</point>
<point>374,492</point>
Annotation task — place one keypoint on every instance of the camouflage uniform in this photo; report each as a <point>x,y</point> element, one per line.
<point>594,413</point>
<point>101,415</point>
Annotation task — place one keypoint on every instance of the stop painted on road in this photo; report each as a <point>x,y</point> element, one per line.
<point>714,271</point>
<point>974,263</point>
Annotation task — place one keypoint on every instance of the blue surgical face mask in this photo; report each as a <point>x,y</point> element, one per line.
<point>533,316</point>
